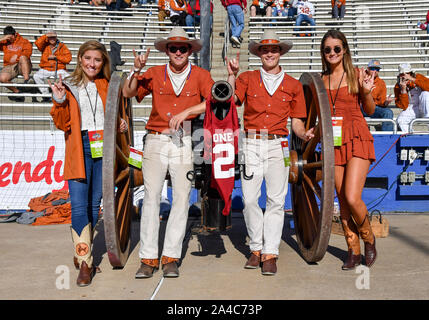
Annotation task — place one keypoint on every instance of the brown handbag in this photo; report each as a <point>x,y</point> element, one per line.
<point>380,225</point>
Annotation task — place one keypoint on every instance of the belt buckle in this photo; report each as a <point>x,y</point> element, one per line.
<point>264,136</point>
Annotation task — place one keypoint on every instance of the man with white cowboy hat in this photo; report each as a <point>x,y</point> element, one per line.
<point>270,96</point>
<point>411,95</point>
<point>178,91</point>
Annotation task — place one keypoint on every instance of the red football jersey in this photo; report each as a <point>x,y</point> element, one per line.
<point>221,147</point>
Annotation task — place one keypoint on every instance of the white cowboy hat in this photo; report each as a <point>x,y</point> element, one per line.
<point>177,35</point>
<point>404,67</point>
<point>269,38</point>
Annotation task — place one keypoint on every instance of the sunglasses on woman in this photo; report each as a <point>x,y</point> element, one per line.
<point>337,49</point>
<point>183,49</point>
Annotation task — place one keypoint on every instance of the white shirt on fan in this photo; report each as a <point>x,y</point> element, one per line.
<point>86,112</point>
<point>305,7</point>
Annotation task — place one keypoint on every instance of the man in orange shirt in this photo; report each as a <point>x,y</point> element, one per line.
<point>179,90</point>
<point>55,57</point>
<point>379,95</point>
<point>411,95</point>
<point>270,97</point>
<point>16,59</point>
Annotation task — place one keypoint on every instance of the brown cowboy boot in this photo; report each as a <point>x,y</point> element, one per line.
<point>352,239</point>
<point>83,255</point>
<point>368,238</point>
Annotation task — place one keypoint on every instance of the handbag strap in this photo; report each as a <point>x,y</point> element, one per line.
<point>380,218</point>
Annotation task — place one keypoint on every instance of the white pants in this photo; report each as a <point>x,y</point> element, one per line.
<point>264,158</point>
<point>418,110</point>
<point>41,75</point>
<point>160,155</point>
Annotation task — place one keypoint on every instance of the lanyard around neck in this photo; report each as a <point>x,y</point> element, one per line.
<point>93,109</point>
<point>338,89</point>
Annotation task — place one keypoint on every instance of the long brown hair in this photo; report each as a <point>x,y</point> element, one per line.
<point>347,60</point>
<point>78,75</point>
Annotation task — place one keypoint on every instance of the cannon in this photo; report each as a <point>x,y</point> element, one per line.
<point>311,173</point>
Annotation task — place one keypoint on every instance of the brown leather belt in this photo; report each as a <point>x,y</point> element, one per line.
<point>267,136</point>
<point>153,132</point>
<point>158,133</point>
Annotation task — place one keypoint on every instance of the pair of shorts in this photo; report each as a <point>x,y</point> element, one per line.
<point>260,11</point>
<point>13,69</point>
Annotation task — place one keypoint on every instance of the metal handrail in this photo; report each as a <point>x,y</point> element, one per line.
<point>417,120</point>
<point>226,39</point>
<point>375,120</point>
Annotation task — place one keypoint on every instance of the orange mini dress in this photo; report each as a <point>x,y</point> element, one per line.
<point>357,141</point>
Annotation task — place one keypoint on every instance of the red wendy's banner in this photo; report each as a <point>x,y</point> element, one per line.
<point>31,165</point>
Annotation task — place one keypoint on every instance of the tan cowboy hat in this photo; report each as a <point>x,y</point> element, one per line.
<point>51,33</point>
<point>177,35</point>
<point>269,38</point>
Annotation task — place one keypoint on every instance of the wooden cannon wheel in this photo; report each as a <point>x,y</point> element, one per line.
<point>312,173</point>
<point>119,179</point>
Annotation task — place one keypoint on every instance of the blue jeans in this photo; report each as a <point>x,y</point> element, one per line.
<point>292,12</point>
<point>382,113</point>
<point>283,13</point>
<point>236,18</point>
<point>85,195</point>
<point>338,12</point>
<point>301,18</point>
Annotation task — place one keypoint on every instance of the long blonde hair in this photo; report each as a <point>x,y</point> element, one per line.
<point>352,81</point>
<point>78,75</point>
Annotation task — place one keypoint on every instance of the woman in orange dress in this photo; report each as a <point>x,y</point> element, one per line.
<point>349,87</point>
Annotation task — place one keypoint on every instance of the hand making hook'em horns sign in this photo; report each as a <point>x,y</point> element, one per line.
<point>366,81</point>
<point>58,89</point>
<point>233,65</point>
<point>140,60</point>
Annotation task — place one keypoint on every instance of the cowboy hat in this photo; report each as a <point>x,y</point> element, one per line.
<point>269,38</point>
<point>177,35</point>
<point>404,67</point>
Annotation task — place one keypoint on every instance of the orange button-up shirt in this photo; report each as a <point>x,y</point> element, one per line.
<point>264,112</point>
<point>401,99</point>
<point>156,81</point>
<point>379,92</point>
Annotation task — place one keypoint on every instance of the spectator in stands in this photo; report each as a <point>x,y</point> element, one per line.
<point>193,11</point>
<point>55,57</point>
<point>16,59</point>
<point>424,25</point>
<point>78,109</point>
<point>163,11</point>
<point>236,10</point>
<point>279,9</point>
<point>178,93</point>
<point>261,8</point>
<point>292,9</point>
<point>178,12</point>
<point>142,2</point>
<point>411,95</point>
<point>270,96</point>
<point>338,9</point>
<point>379,95</point>
<point>305,13</point>
<point>346,86</point>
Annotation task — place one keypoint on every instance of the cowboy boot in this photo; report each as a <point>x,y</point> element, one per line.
<point>368,238</point>
<point>83,255</point>
<point>352,239</point>
<point>75,260</point>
